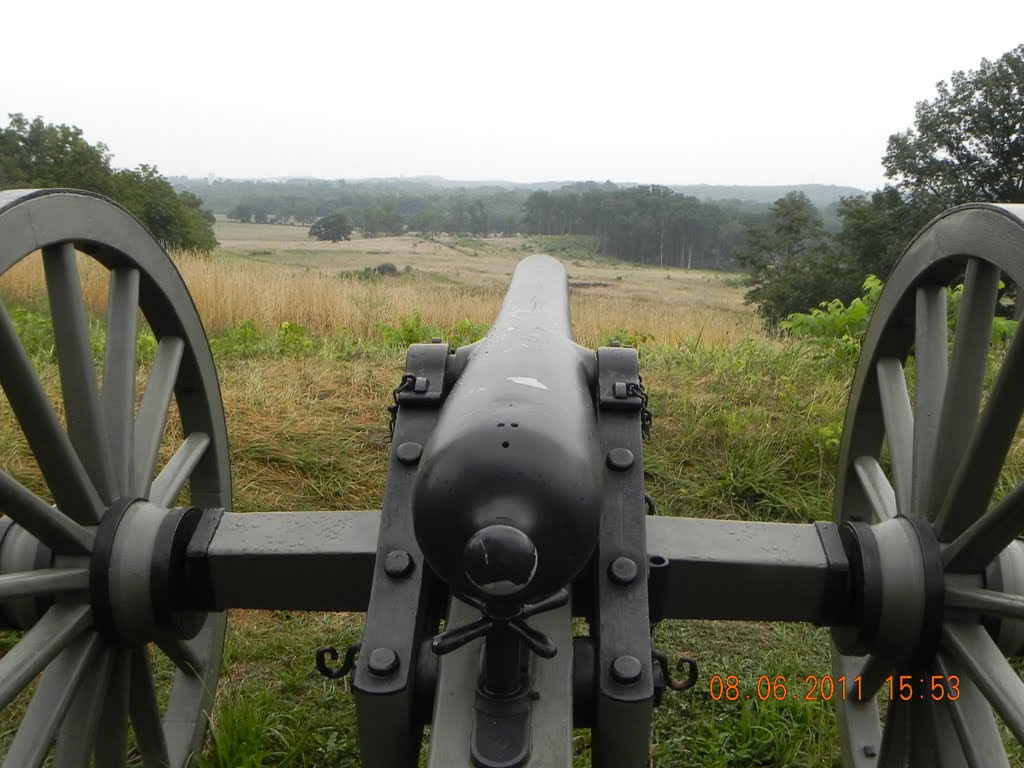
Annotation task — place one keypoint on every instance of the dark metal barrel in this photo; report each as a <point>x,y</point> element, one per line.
<point>508,494</point>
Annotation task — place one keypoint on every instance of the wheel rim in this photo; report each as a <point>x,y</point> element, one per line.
<point>98,681</point>
<point>937,570</point>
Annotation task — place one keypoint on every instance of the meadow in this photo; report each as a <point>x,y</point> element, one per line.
<point>310,339</point>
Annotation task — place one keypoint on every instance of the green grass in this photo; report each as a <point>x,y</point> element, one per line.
<point>745,431</point>
<point>742,432</point>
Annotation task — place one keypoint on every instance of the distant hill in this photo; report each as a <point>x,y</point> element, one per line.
<point>822,195</point>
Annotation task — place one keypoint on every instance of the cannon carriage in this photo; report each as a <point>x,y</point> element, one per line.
<point>514,504</point>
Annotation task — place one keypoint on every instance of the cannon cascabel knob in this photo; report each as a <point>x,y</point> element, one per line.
<point>500,560</point>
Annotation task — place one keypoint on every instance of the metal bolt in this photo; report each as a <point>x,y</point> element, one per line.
<point>382,662</point>
<point>620,459</point>
<point>622,571</point>
<point>398,564</point>
<point>627,669</point>
<point>619,390</point>
<point>421,385</point>
<point>409,453</point>
<point>870,751</point>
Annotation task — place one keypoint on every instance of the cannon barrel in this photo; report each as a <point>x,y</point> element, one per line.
<point>507,498</point>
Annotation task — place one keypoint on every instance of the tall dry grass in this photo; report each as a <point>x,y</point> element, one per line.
<point>229,291</point>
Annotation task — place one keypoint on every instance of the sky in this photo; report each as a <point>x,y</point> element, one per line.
<point>664,92</point>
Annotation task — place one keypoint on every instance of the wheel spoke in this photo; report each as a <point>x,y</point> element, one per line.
<point>112,749</point>
<point>971,646</point>
<point>872,671</point>
<point>172,478</point>
<point>50,703</point>
<point>876,487</point>
<point>895,735</point>
<point>986,602</point>
<point>925,739</point>
<point>858,719</point>
<point>78,732</point>
<point>990,534</point>
<point>58,627</point>
<point>65,476</point>
<point>973,720</point>
<point>119,370</point>
<point>966,376</point>
<point>77,372</point>
<point>145,713</point>
<point>49,581</point>
<point>899,427</point>
<point>152,417</point>
<point>47,524</point>
<point>930,353</point>
<point>181,653</point>
<point>978,472</point>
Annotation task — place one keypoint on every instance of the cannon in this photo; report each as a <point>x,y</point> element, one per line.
<point>514,573</point>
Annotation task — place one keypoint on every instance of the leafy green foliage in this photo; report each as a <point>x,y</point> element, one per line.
<point>36,154</point>
<point>385,269</point>
<point>788,260</point>
<point>335,227</point>
<point>626,338</point>
<point>968,142</point>
<point>412,330</point>
<point>837,326</point>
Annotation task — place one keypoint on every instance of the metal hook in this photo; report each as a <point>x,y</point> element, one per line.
<point>346,666</point>
<point>684,661</point>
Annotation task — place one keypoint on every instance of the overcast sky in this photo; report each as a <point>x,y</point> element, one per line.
<point>654,92</point>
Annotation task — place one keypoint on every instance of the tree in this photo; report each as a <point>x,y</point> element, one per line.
<point>789,260</point>
<point>334,227</point>
<point>37,154</point>
<point>968,143</point>
<point>242,213</point>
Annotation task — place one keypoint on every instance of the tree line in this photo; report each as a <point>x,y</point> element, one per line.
<point>646,224</point>
<point>373,207</point>
<point>966,145</point>
<point>35,154</point>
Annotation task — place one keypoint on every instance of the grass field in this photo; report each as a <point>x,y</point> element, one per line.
<point>746,427</point>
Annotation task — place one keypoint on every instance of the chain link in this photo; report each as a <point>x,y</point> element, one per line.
<point>408,382</point>
<point>646,417</point>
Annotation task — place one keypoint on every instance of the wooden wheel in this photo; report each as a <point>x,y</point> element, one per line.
<point>112,652</point>
<point>929,502</point>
